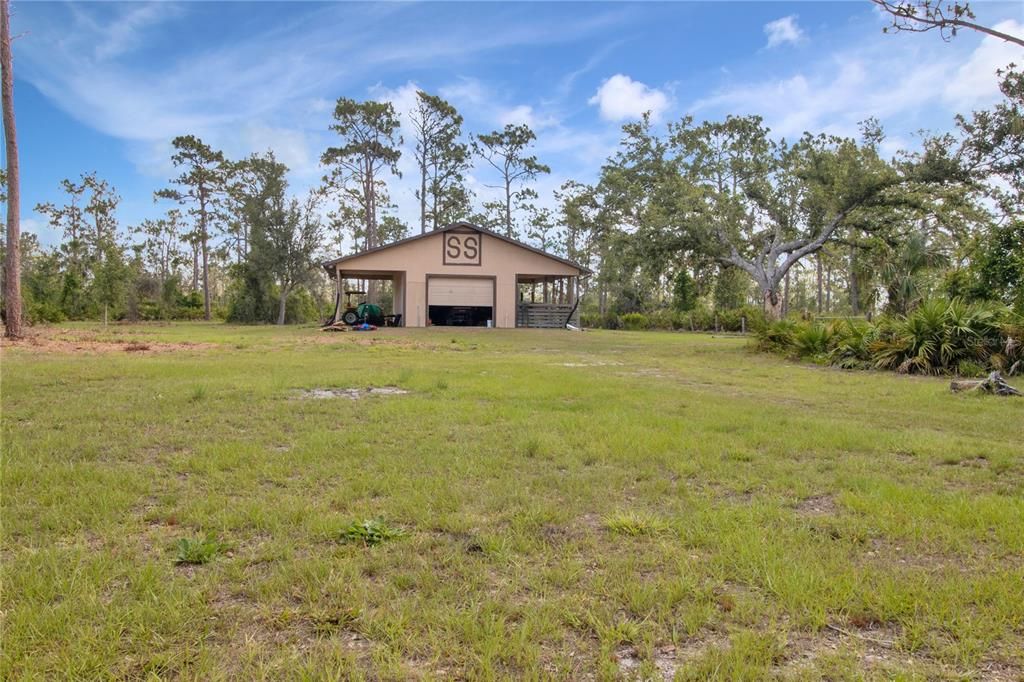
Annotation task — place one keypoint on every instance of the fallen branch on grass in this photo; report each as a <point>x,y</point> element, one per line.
<point>993,383</point>
<point>880,642</point>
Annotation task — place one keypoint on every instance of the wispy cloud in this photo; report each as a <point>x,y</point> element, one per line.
<point>782,31</point>
<point>85,64</point>
<point>832,95</point>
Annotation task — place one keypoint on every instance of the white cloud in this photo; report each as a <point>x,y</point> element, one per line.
<point>620,98</point>
<point>524,114</point>
<point>833,94</point>
<point>784,30</point>
<point>974,80</point>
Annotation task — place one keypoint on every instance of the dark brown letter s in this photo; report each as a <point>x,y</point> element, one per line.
<point>453,247</point>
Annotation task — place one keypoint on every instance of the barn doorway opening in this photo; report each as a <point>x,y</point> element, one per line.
<point>460,301</point>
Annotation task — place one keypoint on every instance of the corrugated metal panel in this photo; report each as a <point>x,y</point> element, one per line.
<point>461,291</point>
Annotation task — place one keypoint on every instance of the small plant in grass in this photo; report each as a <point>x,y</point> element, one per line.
<point>198,550</point>
<point>636,524</point>
<point>441,385</point>
<point>370,532</point>
<point>198,394</point>
<point>531,448</point>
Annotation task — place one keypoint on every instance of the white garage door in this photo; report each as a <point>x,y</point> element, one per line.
<point>461,291</point>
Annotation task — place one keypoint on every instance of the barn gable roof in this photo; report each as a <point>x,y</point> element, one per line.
<point>461,225</point>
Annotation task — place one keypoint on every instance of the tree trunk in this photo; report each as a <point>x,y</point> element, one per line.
<point>785,295</point>
<point>508,208</point>
<point>828,289</point>
<point>854,290</point>
<point>195,266</point>
<point>423,194</point>
<point>281,305</point>
<point>12,273</point>
<point>818,274</point>
<point>772,305</point>
<point>204,237</point>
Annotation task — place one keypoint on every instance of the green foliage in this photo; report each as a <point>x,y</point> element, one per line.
<point>939,337</point>
<point>636,523</point>
<point>635,321</point>
<point>684,292</point>
<point>778,336</point>
<point>700,319</point>
<point>813,340</point>
<point>370,532</point>
<point>507,152</point>
<point>198,550</point>
<point>851,344</point>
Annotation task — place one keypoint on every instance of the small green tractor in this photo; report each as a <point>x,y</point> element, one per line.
<point>357,313</point>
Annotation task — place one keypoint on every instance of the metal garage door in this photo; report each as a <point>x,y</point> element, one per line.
<point>460,291</point>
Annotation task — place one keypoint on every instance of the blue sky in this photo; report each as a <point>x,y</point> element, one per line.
<point>105,86</point>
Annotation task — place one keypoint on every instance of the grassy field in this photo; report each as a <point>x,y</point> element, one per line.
<point>603,505</point>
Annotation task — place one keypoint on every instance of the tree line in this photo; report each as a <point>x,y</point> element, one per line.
<point>697,215</point>
<point>233,242</point>
<point>721,213</point>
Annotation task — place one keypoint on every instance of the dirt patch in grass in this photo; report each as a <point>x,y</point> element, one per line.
<point>817,505</point>
<point>349,393</point>
<point>669,658</point>
<point>92,343</point>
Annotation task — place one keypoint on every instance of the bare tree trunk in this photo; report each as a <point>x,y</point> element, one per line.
<point>854,290</point>
<point>785,295</point>
<point>828,289</point>
<point>508,208</point>
<point>205,237</point>
<point>281,305</point>
<point>818,274</point>
<point>12,264</point>
<point>195,266</point>
<point>423,196</point>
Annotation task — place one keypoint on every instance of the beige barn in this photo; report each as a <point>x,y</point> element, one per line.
<point>466,275</point>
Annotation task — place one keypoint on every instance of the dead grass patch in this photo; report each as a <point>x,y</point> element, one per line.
<point>45,341</point>
<point>349,393</point>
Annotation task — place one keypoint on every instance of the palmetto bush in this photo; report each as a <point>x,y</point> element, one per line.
<point>851,346</point>
<point>777,337</point>
<point>938,337</point>
<point>814,340</point>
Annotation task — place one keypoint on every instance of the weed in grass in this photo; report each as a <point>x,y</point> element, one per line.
<point>636,524</point>
<point>370,532</point>
<point>531,448</point>
<point>198,394</point>
<point>198,550</point>
<point>441,384</point>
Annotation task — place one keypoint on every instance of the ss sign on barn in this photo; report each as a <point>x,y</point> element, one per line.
<point>462,248</point>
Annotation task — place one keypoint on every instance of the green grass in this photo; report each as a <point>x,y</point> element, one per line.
<point>606,504</point>
<point>198,550</point>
